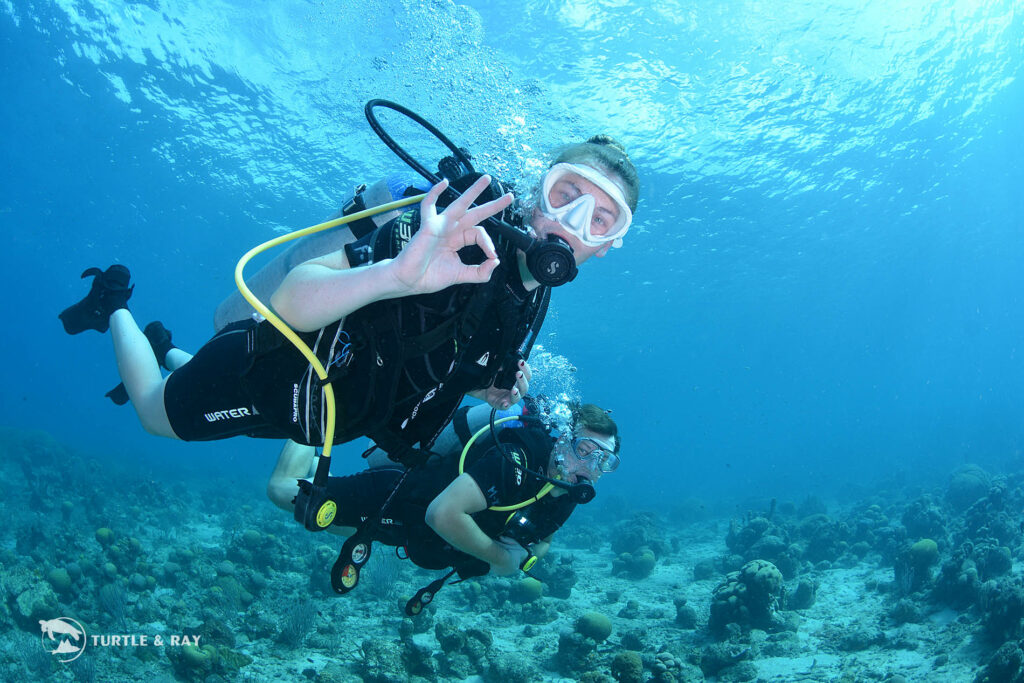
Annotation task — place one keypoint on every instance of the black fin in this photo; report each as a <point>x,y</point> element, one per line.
<point>119,395</point>
<point>110,291</point>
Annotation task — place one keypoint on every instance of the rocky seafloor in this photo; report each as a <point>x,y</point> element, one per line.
<point>903,585</point>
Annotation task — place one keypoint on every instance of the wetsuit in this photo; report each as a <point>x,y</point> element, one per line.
<point>399,367</point>
<point>403,522</point>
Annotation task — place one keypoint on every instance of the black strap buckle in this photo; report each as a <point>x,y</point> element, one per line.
<point>411,457</point>
<point>398,450</point>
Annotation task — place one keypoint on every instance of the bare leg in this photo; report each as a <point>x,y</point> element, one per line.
<point>140,373</point>
<point>176,358</point>
<point>295,462</point>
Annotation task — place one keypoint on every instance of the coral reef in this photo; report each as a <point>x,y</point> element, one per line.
<point>748,598</point>
<point>297,623</point>
<point>558,574</point>
<point>640,531</point>
<point>966,485</point>
<point>686,616</point>
<point>465,650</point>
<point>727,661</point>
<point>703,570</point>
<point>576,654</point>
<point>635,565</point>
<point>511,668</point>
<point>628,667</point>
<point>937,564</point>
<point>912,568</point>
<point>762,538</point>
<point>804,595</point>
<point>823,538</point>
<point>1005,666</point>
<point>1002,606</point>
<point>924,519</point>
<point>527,589</point>
<point>595,626</point>
<point>382,661</point>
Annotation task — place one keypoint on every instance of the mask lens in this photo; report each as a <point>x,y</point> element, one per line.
<point>563,201</point>
<point>611,463</point>
<point>595,454</point>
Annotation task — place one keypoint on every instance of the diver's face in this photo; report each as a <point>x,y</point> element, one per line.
<point>567,466</point>
<point>567,189</point>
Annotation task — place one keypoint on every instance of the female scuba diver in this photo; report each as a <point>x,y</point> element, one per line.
<point>407,319</point>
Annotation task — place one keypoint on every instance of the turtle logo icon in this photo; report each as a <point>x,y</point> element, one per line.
<point>68,634</point>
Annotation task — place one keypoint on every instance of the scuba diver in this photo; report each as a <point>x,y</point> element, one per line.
<point>407,319</point>
<point>489,502</point>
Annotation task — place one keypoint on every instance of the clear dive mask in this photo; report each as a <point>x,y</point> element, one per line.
<point>592,454</point>
<point>596,454</point>
<point>578,212</point>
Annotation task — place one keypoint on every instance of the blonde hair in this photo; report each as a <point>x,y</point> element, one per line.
<point>608,155</point>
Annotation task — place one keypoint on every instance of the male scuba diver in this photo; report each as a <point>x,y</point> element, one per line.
<point>407,319</point>
<point>488,503</point>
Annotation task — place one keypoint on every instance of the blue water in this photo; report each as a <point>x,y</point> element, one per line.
<point>822,291</point>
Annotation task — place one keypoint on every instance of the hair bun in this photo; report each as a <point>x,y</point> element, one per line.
<point>608,141</point>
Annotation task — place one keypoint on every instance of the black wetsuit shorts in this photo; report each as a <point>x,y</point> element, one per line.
<point>206,399</point>
<point>361,496</point>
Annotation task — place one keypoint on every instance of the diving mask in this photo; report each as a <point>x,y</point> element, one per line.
<point>578,212</point>
<point>596,454</point>
<point>591,454</point>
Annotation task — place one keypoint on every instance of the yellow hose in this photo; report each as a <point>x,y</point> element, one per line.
<point>282,327</point>
<point>544,490</point>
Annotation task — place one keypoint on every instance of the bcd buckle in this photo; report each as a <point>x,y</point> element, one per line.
<point>409,457</point>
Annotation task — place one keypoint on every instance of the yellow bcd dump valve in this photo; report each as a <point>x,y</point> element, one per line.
<point>313,509</point>
<point>325,515</point>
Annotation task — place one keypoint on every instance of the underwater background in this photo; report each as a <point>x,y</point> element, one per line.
<point>820,299</point>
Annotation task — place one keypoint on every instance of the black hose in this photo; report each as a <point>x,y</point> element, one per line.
<point>371,117</point>
<point>517,237</point>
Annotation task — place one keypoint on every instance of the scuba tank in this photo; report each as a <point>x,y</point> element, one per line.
<point>267,279</point>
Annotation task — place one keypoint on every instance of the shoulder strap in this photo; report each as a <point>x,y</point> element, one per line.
<point>461,425</point>
<point>536,323</point>
<point>473,315</point>
<point>355,204</point>
<point>422,344</point>
<point>384,242</point>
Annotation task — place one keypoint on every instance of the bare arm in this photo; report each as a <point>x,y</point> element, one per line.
<point>265,281</point>
<point>541,548</point>
<point>326,289</point>
<point>449,515</point>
